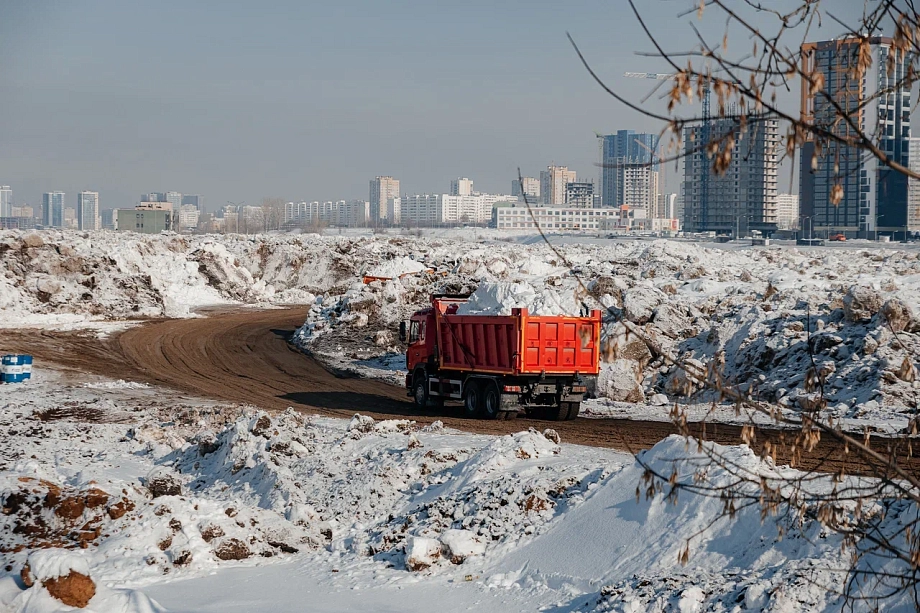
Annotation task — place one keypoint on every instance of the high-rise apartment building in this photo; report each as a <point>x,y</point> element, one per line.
<point>88,210</point>
<point>744,197</point>
<point>461,187</point>
<point>579,194</point>
<point>53,209</point>
<point>552,184</point>
<point>194,200</point>
<point>637,187</point>
<point>175,199</point>
<point>6,201</point>
<point>383,190</point>
<point>913,188</point>
<point>787,211</point>
<point>526,186</point>
<point>874,197</point>
<point>626,147</point>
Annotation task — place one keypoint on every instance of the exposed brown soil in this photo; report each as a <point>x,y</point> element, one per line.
<point>244,356</point>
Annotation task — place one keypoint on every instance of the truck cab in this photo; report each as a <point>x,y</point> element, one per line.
<point>420,339</point>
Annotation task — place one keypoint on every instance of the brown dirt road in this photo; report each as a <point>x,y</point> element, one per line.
<point>243,356</point>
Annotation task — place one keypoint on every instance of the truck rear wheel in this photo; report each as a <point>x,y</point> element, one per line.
<point>492,400</point>
<point>574,410</point>
<point>472,399</point>
<point>564,411</point>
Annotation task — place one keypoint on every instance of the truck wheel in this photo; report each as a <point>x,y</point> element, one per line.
<point>420,389</point>
<point>574,410</point>
<point>560,412</point>
<point>492,400</point>
<point>472,399</point>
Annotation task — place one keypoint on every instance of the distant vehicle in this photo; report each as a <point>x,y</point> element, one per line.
<point>501,365</point>
<point>838,238</point>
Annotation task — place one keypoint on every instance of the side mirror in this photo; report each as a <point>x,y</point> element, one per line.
<point>402,331</point>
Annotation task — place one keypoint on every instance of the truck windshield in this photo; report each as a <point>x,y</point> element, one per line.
<point>413,332</point>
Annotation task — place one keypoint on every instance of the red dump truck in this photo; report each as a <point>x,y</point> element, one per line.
<point>501,365</point>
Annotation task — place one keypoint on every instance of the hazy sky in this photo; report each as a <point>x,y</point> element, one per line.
<point>310,100</point>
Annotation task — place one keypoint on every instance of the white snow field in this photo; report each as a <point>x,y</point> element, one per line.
<point>170,503</point>
<point>173,504</point>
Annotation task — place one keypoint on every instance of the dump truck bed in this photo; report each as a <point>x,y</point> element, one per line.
<point>519,344</point>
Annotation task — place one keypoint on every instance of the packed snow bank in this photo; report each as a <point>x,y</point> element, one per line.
<point>396,267</point>
<point>139,488</point>
<point>630,543</point>
<point>763,312</point>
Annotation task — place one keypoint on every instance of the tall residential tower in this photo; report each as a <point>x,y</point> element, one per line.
<point>744,197</point>
<point>6,201</point>
<point>552,184</point>
<point>621,154</point>
<point>383,190</point>
<point>874,197</point>
<point>88,210</point>
<point>53,209</point>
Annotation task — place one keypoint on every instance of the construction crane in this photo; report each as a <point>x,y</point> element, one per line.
<point>705,135</point>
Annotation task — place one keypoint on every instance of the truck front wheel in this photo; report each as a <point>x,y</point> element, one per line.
<point>472,399</point>
<point>420,389</point>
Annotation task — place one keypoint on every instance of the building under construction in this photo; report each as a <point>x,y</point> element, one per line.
<point>741,200</point>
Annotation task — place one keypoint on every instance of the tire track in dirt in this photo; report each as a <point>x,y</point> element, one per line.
<point>243,356</point>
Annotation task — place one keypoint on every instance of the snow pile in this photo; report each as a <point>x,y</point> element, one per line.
<point>763,312</point>
<point>396,267</point>
<point>630,543</point>
<point>185,492</point>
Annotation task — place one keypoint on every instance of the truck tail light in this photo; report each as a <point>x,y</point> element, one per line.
<point>513,388</point>
<point>576,389</point>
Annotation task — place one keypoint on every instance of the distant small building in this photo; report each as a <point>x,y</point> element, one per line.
<point>188,217</point>
<point>552,218</point>
<point>108,219</point>
<point>155,205</point>
<point>17,223</point>
<point>787,211</point>
<point>143,220</point>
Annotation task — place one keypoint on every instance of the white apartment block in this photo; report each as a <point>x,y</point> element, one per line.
<point>437,209</point>
<point>552,184</point>
<point>553,219</point>
<point>188,217</point>
<point>639,185</point>
<point>461,187</point>
<point>341,213</point>
<point>787,211</point>
<point>88,211</point>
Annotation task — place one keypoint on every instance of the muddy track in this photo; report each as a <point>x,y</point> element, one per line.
<point>244,356</point>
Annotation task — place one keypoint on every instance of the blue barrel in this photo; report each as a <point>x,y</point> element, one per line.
<point>15,368</point>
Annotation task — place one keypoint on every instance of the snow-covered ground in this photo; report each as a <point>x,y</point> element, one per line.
<point>170,503</point>
<point>161,502</point>
<point>756,310</point>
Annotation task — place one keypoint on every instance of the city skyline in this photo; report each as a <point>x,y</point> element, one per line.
<point>226,104</point>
